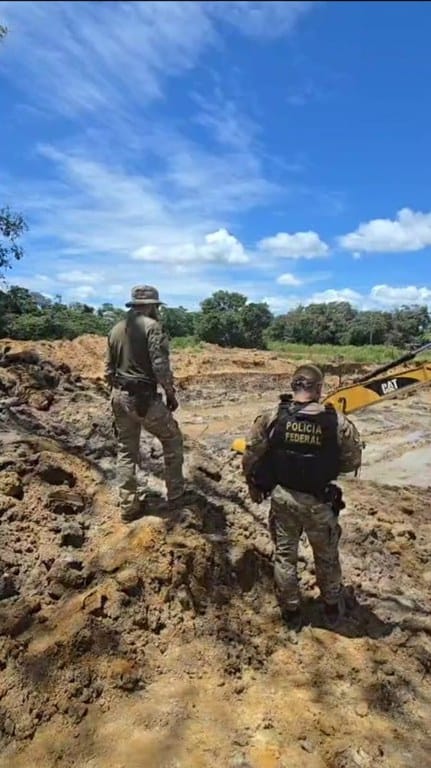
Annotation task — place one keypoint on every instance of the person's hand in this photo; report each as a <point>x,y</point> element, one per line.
<point>171,401</point>
<point>255,493</point>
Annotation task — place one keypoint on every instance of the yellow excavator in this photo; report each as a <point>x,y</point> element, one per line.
<point>374,386</point>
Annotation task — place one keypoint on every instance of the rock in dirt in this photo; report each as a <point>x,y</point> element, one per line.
<point>125,675</point>
<point>77,711</point>
<point>352,758</point>
<point>128,580</point>
<point>403,531</point>
<point>25,728</point>
<point>7,587</point>
<point>66,573</point>
<point>62,501</point>
<point>41,401</point>
<point>11,485</point>
<point>16,618</point>
<point>362,709</point>
<point>6,502</point>
<point>307,745</point>
<point>239,761</point>
<point>72,535</point>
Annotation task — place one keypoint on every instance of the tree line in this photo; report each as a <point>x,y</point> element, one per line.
<point>226,318</point>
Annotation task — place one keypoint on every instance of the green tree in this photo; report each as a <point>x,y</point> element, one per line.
<point>367,328</point>
<point>12,227</point>
<point>277,330</point>
<point>177,321</point>
<point>223,329</point>
<point>224,301</point>
<point>409,325</point>
<point>219,321</point>
<point>255,320</point>
<point>229,320</point>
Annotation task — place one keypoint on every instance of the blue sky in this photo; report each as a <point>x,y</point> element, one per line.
<point>281,149</point>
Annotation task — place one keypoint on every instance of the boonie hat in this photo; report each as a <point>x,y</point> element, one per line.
<point>144,294</point>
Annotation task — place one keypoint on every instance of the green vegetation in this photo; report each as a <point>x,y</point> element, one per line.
<point>28,315</point>
<point>318,331</point>
<point>324,353</point>
<point>190,343</point>
<point>12,227</point>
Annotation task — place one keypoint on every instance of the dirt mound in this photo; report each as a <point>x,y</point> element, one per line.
<point>87,354</point>
<point>159,644</point>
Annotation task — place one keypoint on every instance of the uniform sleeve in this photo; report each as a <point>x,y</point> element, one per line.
<point>256,443</point>
<point>350,444</point>
<point>109,363</point>
<point>158,348</point>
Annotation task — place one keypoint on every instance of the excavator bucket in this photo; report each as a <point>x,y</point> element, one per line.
<point>238,445</point>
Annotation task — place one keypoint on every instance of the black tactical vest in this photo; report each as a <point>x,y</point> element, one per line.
<point>304,448</point>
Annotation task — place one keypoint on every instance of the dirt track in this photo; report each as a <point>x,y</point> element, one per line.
<point>158,645</point>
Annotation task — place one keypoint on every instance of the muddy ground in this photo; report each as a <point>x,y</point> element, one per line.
<point>158,644</point>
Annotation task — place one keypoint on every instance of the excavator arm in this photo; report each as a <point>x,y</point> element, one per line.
<point>359,395</point>
<point>374,387</point>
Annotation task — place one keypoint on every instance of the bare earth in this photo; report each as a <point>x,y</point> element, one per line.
<point>158,644</point>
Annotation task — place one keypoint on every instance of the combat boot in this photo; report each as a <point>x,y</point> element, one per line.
<point>334,612</point>
<point>292,619</point>
<point>184,500</point>
<point>185,510</point>
<point>131,513</point>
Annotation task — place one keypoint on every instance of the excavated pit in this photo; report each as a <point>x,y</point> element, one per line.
<point>159,644</point>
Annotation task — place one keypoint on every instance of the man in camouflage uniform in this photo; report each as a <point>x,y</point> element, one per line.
<point>307,446</point>
<point>138,361</point>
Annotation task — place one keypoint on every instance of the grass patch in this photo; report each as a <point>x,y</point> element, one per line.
<point>325,353</point>
<point>317,353</point>
<point>186,342</point>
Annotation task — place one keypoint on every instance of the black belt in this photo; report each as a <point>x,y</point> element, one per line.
<point>135,386</point>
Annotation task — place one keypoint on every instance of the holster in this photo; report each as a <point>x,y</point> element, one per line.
<point>333,495</point>
<point>143,391</point>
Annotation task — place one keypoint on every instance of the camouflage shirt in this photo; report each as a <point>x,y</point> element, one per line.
<point>349,439</point>
<point>137,347</point>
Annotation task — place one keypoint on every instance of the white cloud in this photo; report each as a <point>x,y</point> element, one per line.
<point>332,294</point>
<point>268,19</point>
<point>105,56</point>
<point>84,292</point>
<point>123,180</point>
<point>289,279</point>
<point>356,255</point>
<point>390,296</point>
<point>79,276</point>
<point>280,304</point>
<point>111,55</point>
<point>379,296</point>
<point>300,245</point>
<point>218,247</point>
<point>96,210</point>
<point>410,231</point>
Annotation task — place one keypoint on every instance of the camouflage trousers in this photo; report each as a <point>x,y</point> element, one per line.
<point>160,422</point>
<point>291,514</point>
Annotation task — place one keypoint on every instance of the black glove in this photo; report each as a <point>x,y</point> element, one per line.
<point>171,401</point>
<point>255,493</point>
